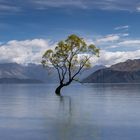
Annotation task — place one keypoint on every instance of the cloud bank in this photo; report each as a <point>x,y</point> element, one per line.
<point>109,58</point>
<point>31,51</point>
<point>23,52</point>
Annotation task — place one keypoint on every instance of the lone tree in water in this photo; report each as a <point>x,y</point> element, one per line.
<point>69,58</point>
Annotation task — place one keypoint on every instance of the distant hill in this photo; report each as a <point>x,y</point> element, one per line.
<point>129,65</point>
<point>124,72</point>
<point>32,73</point>
<point>18,81</point>
<point>89,71</point>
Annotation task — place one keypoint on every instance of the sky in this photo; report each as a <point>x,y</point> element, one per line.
<point>29,27</point>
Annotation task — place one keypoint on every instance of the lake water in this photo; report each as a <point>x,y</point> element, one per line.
<point>85,112</point>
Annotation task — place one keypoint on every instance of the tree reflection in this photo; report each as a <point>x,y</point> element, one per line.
<point>66,103</point>
<point>70,119</point>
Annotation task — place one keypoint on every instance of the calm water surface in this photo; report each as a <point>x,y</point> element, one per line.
<point>85,112</point>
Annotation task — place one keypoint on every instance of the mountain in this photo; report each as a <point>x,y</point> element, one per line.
<point>18,81</point>
<point>12,70</point>
<point>89,71</point>
<point>32,73</point>
<point>129,65</point>
<point>124,72</point>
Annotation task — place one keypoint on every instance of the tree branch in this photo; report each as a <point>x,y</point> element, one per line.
<point>80,68</point>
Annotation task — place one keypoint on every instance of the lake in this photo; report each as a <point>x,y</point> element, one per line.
<point>85,112</point>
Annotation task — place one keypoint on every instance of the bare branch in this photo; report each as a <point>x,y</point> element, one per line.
<point>77,81</point>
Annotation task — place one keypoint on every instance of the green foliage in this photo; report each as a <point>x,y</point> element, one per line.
<point>69,57</point>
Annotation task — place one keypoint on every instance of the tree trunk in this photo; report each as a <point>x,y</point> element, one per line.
<point>58,90</point>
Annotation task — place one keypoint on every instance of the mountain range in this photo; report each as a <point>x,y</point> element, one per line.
<point>124,72</point>
<point>32,73</point>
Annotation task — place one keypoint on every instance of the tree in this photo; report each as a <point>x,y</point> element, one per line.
<point>69,58</point>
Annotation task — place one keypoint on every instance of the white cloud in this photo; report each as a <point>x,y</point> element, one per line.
<point>108,38</point>
<point>124,45</point>
<point>61,3</point>
<point>27,51</point>
<point>125,34</point>
<point>121,27</point>
<point>108,58</point>
<point>8,9</point>
<point>112,47</point>
<point>138,8</point>
<point>130,43</point>
<point>90,41</point>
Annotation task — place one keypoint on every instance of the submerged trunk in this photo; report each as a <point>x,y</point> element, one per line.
<point>58,90</point>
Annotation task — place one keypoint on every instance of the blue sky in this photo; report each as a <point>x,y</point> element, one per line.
<point>113,25</point>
